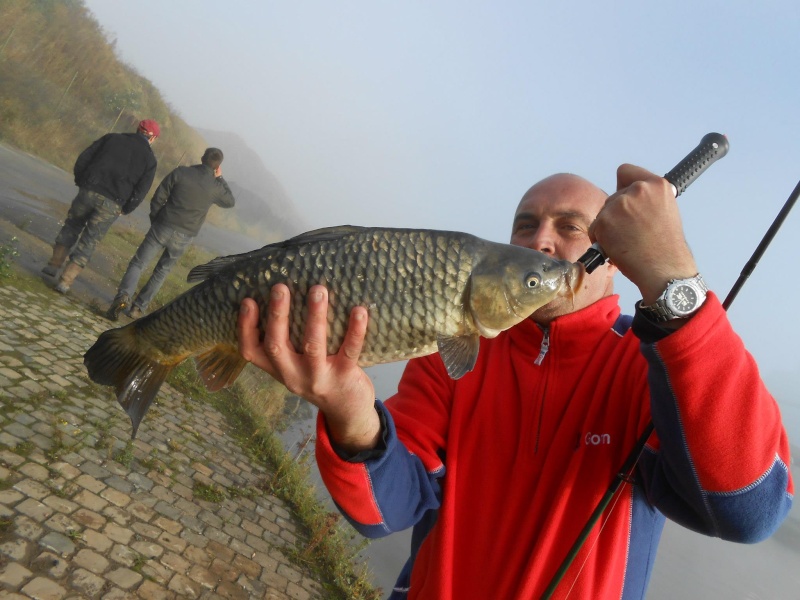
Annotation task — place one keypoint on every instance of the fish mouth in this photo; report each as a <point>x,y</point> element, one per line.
<point>573,278</point>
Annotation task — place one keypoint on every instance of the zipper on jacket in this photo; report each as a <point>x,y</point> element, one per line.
<point>543,348</point>
<point>539,359</point>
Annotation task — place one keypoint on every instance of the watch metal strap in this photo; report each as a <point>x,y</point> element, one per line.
<point>657,311</point>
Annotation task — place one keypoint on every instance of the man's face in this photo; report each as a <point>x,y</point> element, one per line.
<point>553,217</point>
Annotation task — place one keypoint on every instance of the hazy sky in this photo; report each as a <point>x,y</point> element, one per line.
<point>441,114</point>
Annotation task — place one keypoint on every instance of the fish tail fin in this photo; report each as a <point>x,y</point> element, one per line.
<point>115,360</point>
<point>220,366</point>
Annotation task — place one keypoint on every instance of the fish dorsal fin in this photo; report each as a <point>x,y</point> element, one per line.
<point>324,234</point>
<point>459,353</point>
<point>203,272</point>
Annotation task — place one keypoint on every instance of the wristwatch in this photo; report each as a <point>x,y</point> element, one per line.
<point>681,299</point>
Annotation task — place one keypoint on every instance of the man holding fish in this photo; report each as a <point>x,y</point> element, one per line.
<point>498,470</point>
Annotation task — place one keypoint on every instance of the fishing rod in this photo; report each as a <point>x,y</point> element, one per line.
<point>711,148</point>
<point>762,246</point>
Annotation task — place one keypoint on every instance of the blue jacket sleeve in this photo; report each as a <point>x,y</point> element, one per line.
<point>389,491</point>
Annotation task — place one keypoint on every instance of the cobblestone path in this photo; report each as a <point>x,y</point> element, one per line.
<point>85,513</point>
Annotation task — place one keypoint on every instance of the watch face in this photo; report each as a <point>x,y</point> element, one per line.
<point>682,299</point>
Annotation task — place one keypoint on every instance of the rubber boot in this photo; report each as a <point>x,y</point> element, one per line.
<point>120,303</point>
<point>67,277</point>
<point>57,261</point>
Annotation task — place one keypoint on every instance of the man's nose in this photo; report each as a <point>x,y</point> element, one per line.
<point>542,240</point>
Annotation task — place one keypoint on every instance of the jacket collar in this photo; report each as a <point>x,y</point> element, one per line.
<point>573,333</point>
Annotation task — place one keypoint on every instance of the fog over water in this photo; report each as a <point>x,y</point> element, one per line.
<point>441,115</point>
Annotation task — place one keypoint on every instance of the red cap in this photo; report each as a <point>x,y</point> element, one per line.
<point>150,127</point>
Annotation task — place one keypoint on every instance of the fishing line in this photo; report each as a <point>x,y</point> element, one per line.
<point>623,476</point>
<point>594,543</point>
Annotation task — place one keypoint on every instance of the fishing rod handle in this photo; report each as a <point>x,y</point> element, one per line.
<point>711,148</point>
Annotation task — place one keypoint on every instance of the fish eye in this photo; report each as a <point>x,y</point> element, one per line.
<point>532,280</point>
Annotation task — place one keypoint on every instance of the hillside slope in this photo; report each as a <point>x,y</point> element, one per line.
<point>62,86</point>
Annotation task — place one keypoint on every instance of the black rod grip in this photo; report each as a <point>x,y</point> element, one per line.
<point>711,148</point>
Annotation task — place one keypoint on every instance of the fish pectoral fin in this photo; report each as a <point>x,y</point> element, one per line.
<point>219,367</point>
<point>459,353</point>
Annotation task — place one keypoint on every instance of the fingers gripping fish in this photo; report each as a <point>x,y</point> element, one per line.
<point>425,290</point>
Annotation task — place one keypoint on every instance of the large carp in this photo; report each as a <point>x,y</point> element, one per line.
<point>425,291</point>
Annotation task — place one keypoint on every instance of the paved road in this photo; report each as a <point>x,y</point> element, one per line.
<point>85,514</point>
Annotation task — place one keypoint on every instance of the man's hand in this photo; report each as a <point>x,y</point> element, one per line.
<point>640,230</point>
<point>335,384</point>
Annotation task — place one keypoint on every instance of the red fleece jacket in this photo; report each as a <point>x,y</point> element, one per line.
<point>500,470</point>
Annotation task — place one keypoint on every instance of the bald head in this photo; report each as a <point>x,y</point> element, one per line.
<point>554,217</point>
<point>568,184</point>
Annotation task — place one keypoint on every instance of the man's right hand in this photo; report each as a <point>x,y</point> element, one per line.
<point>640,229</point>
<point>333,383</point>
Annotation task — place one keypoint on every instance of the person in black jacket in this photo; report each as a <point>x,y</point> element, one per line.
<point>177,212</point>
<point>113,175</point>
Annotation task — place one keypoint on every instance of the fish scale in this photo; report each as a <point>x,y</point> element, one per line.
<point>425,290</point>
<point>368,275</point>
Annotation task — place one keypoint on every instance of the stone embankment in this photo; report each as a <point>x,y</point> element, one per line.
<point>86,513</point>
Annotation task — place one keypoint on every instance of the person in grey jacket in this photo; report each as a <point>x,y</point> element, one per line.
<point>177,212</point>
<point>113,175</point>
